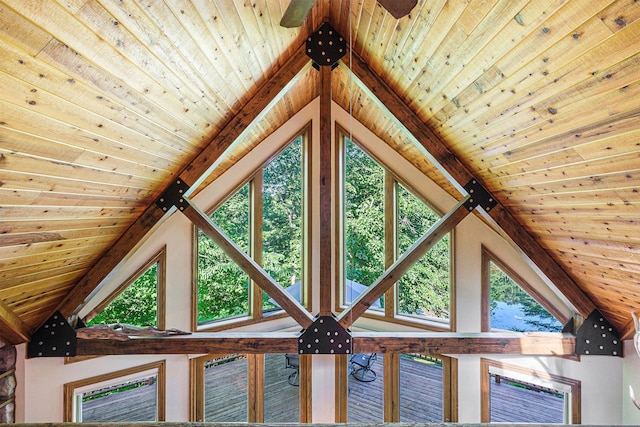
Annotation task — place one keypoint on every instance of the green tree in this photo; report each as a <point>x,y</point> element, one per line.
<point>283,217</point>
<point>222,285</point>
<point>424,289</point>
<point>364,216</point>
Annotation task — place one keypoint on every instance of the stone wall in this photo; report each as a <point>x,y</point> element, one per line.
<point>7,384</point>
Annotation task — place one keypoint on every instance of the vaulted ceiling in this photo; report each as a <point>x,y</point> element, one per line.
<point>103,103</point>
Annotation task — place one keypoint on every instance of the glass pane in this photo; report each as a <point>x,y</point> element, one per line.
<point>421,389</point>
<point>515,310</point>
<point>364,220</point>
<point>281,388</point>
<point>127,402</point>
<point>424,289</point>
<point>136,305</point>
<point>282,220</point>
<point>223,288</point>
<point>225,389</point>
<point>518,402</point>
<point>366,388</point>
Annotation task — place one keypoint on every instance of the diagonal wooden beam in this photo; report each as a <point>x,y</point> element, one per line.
<point>404,263</point>
<point>193,173</point>
<point>12,329</point>
<point>248,265</point>
<point>459,175</point>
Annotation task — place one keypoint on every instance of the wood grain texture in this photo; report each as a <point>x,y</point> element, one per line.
<point>103,104</point>
<point>363,342</point>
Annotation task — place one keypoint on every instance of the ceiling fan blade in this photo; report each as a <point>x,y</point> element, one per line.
<point>398,8</point>
<point>296,13</point>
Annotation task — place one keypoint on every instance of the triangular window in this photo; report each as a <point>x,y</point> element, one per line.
<point>509,302</point>
<point>139,301</point>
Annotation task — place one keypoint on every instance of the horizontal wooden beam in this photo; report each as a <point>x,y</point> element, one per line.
<point>527,343</point>
<point>196,343</point>
<point>542,344</point>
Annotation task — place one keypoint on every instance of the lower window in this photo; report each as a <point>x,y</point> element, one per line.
<point>131,395</point>
<point>520,395</point>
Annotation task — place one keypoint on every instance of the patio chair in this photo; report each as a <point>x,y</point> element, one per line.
<point>293,362</point>
<point>361,367</point>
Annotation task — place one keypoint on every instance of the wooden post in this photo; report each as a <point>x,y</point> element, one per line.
<point>326,250</point>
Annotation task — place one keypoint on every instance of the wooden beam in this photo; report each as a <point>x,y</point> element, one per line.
<point>406,260</point>
<point>543,344</point>
<point>12,329</point>
<point>459,175</point>
<point>196,343</point>
<point>284,299</point>
<point>193,173</point>
<point>326,251</point>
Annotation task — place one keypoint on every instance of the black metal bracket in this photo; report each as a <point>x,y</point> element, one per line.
<point>56,338</point>
<point>326,46</point>
<point>479,196</point>
<point>174,196</point>
<point>596,336</point>
<point>325,336</point>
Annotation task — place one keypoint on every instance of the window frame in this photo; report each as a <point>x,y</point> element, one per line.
<point>575,387</point>
<point>160,370</point>
<point>255,181</point>
<point>488,257</point>
<point>391,181</point>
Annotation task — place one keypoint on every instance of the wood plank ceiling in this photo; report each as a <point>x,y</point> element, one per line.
<point>103,102</point>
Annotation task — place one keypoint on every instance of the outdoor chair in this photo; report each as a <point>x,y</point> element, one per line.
<point>361,367</point>
<point>293,362</point>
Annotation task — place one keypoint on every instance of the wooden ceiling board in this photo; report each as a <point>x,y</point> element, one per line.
<point>103,103</point>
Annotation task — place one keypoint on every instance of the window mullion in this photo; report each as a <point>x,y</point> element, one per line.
<point>390,237</point>
<point>256,225</point>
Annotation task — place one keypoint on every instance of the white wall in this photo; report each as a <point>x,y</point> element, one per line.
<point>603,401</point>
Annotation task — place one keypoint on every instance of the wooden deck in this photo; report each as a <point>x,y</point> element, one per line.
<point>514,404</point>
<point>420,397</point>
<point>135,405</point>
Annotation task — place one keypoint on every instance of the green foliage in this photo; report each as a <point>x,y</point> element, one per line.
<point>222,285</point>
<point>364,216</point>
<point>283,217</point>
<point>424,289</point>
<point>136,305</point>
